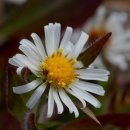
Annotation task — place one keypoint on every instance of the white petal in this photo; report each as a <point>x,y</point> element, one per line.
<point>27,87</point>
<point>16,60</point>
<point>30,57</point>
<point>93,77</point>
<point>93,74</point>
<point>68,48</point>
<point>19,70</point>
<point>54,30</point>
<point>76,34</point>
<point>49,38</point>
<point>79,64</point>
<point>90,87</point>
<point>64,100</point>
<point>66,37</point>
<point>30,45</point>
<point>30,53</point>
<point>47,43</point>
<point>50,103</point>
<point>39,44</point>
<point>79,45</point>
<point>57,35</point>
<point>21,59</point>
<point>34,62</point>
<point>24,60</point>
<point>58,101</point>
<point>52,37</point>
<point>13,62</point>
<point>67,101</point>
<point>94,71</point>
<point>26,63</point>
<point>86,96</point>
<point>36,96</point>
<point>74,94</point>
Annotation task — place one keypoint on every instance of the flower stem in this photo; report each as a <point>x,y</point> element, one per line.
<point>29,121</point>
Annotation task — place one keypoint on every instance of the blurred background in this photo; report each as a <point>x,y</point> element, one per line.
<point>19,18</point>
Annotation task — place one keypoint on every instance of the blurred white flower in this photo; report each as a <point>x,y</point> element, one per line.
<point>56,67</point>
<point>117,50</point>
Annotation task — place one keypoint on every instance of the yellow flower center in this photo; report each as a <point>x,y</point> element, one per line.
<point>58,70</point>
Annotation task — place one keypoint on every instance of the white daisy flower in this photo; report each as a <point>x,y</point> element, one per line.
<point>117,50</point>
<point>56,67</point>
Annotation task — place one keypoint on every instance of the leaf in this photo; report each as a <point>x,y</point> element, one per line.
<point>93,51</point>
<point>15,102</point>
<point>35,14</point>
<point>108,121</point>
<point>88,112</point>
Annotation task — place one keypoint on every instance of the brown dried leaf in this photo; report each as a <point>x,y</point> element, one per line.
<point>93,50</point>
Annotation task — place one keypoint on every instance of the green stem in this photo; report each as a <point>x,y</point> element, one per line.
<point>29,121</point>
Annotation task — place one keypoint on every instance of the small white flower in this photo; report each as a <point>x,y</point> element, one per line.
<point>56,67</point>
<point>117,50</point>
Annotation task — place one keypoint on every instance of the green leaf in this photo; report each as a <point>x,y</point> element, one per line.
<point>109,121</point>
<point>16,103</point>
<point>93,51</point>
